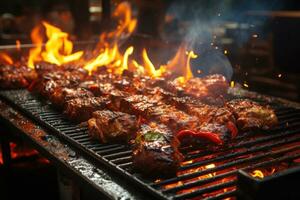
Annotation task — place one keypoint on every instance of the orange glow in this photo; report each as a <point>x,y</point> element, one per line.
<point>5,59</point>
<point>177,63</point>
<point>18,45</point>
<point>58,49</point>
<point>257,174</point>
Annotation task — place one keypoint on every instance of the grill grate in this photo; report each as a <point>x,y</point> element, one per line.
<point>250,150</point>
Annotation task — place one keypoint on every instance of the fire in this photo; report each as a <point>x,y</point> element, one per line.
<point>126,24</point>
<point>109,43</point>
<point>58,48</point>
<point>257,174</point>
<point>5,59</point>
<point>188,72</point>
<point>149,67</point>
<point>104,58</point>
<point>35,53</point>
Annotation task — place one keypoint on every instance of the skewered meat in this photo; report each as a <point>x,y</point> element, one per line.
<point>155,151</point>
<point>61,95</point>
<point>251,115</point>
<point>108,126</point>
<point>81,109</point>
<point>212,85</point>
<point>12,77</point>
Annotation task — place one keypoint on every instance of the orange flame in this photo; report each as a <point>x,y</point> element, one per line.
<point>257,174</point>
<point>6,59</point>
<point>58,47</point>
<point>35,53</point>
<point>109,52</point>
<point>187,69</point>
<point>149,67</point>
<point>126,24</point>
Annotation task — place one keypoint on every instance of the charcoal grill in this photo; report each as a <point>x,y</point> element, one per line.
<point>249,151</point>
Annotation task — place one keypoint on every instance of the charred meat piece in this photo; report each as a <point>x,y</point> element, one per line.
<point>81,109</point>
<point>12,77</point>
<point>61,78</point>
<point>212,85</point>
<point>138,104</point>
<point>250,115</point>
<point>155,152</point>
<point>98,89</point>
<point>108,126</point>
<point>61,95</point>
<point>205,113</point>
<point>172,117</point>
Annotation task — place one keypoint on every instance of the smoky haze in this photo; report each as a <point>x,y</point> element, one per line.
<point>201,18</point>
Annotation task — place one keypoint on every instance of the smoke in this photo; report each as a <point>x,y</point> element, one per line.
<point>199,24</point>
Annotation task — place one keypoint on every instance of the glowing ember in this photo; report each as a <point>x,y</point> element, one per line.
<point>232,84</point>
<point>257,174</point>
<point>18,45</point>
<point>6,59</point>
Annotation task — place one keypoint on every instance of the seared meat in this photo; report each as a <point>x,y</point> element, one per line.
<point>81,109</point>
<point>212,85</point>
<point>155,151</point>
<point>61,95</point>
<point>138,104</point>
<point>205,113</point>
<point>172,117</point>
<point>12,77</point>
<point>108,126</point>
<point>251,115</point>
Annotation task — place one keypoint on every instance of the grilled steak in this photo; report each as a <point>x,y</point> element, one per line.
<point>108,126</point>
<point>155,151</point>
<point>81,109</point>
<point>251,115</point>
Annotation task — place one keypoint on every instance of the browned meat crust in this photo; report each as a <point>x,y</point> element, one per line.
<point>156,151</point>
<point>250,115</point>
<point>108,126</point>
<point>81,109</point>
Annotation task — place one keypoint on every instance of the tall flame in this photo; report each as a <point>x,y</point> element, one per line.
<point>6,59</point>
<point>58,48</point>
<point>35,52</point>
<point>187,74</point>
<point>149,67</point>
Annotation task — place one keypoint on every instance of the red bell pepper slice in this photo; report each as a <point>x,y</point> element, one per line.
<point>233,129</point>
<point>213,137</point>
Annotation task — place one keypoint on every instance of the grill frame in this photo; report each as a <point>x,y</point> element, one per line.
<point>69,135</point>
